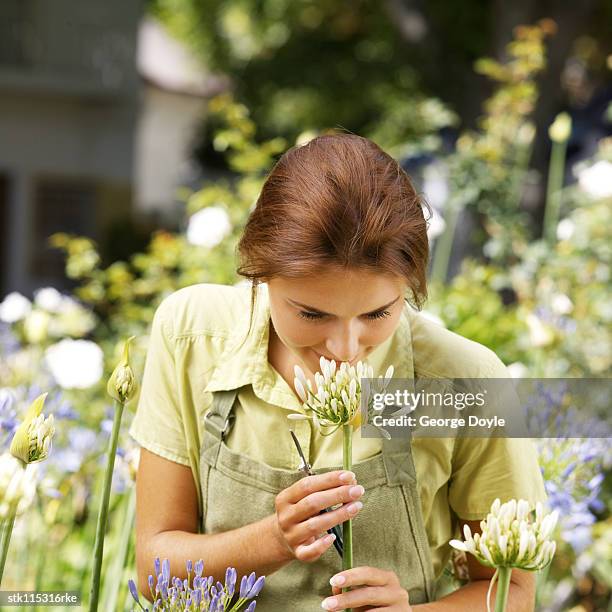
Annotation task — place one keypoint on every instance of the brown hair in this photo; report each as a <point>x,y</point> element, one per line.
<point>339,200</point>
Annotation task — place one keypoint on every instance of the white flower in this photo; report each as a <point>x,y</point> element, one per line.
<point>561,304</point>
<point>14,307</point>
<point>518,370</point>
<point>75,364</point>
<point>596,180</point>
<point>36,326</point>
<point>17,485</point>
<point>565,229</point>
<point>337,398</point>
<point>561,128</point>
<point>208,227</point>
<point>71,319</point>
<point>49,299</point>
<point>510,539</point>
<point>540,334</point>
<point>32,440</point>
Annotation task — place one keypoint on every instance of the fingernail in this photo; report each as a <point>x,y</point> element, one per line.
<point>356,491</point>
<point>347,476</point>
<point>329,603</point>
<point>354,507</point>
<point>330,538</point>
<point>337,580</point>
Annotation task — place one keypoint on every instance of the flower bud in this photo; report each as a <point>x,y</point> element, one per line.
<point>32,440</point>
<point>561,128</point>
<point>122,383</point>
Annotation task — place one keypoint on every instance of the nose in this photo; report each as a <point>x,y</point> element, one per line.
<point>343,345</point>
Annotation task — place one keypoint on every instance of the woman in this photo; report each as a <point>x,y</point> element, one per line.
<point>336,249</point>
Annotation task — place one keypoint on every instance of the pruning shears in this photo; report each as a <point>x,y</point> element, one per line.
<point>305,467</point>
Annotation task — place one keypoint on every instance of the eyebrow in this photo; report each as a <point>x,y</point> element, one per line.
<point>310,308</point>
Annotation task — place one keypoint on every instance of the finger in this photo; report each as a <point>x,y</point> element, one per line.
<point>315,502</point>
<point>311,552</point>
<point>363,596</point>
<point>319,523</point>
<point>317,482</point>
<point>364,575</point>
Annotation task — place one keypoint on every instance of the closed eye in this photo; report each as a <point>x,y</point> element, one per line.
<point>315,316</point>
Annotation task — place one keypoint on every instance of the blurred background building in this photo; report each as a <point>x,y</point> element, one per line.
<point>98,107</point>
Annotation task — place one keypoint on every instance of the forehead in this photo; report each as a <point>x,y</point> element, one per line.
<point>339,291</point>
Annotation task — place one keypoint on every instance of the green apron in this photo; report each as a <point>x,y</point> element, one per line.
<point>388,532</point>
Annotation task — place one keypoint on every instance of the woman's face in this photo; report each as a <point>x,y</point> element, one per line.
<point>342,315</point>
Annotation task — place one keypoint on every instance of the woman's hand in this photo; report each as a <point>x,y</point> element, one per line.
<point>371,589</point>
<point>298,522</point>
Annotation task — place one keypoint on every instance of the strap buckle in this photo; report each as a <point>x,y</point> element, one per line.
<point>215,425</point>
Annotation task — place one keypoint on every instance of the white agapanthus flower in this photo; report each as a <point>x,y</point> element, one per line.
<point>36,326</point>
<point>17,485</point>
<point>518,370</point>
<point>596,180</point>
<point>208,227</point>
<point>71,319</point>
<point>337,398</point>
<point>540,334</point>
<point>561,304</point>
<point>75,364</point>
<point>14,307</point>
<point>49,299</point>
<point>510,539</point>
<point>32,440</point>
<point>565,229</point>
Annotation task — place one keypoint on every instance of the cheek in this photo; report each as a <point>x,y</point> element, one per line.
<point>298,333</point>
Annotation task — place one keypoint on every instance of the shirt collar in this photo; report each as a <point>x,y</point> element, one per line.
<point>243,363</point>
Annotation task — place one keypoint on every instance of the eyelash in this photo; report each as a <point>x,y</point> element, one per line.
<point>313,316</point>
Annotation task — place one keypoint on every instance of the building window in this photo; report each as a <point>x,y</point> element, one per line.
<point>60,204</point>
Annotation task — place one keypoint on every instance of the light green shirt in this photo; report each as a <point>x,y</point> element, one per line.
<point>193,351</point>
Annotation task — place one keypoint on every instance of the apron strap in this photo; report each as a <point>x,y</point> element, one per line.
<point>397,457</point>
<point>217,422</point>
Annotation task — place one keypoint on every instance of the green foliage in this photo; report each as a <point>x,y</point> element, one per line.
<point>477,290</point>
<point>304,65</point>
<point>488,169</point>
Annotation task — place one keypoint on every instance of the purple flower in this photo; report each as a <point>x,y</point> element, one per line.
<point>197,597</point>
<point>133,590</point>
<point>256,588</point>
<point>230,580</point>
<point>204,594</point>
<point>166,570</point>
<point>251,606</point>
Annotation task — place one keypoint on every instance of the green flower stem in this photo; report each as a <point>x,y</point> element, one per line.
<point>347,526</point>
<point>103,512</point>
<point>503,586</point>
<point>7,531</point>
<point>554,186</point>
<point>125,537</point>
